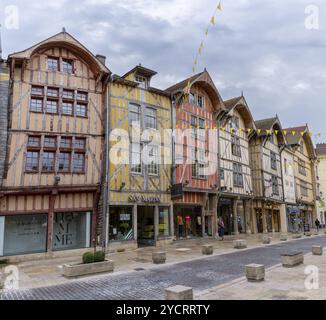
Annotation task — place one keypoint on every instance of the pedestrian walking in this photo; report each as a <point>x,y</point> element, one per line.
<point>221,229</point>
<point>317,223</point>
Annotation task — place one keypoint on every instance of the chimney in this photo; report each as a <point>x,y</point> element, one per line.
<point>101,58</point>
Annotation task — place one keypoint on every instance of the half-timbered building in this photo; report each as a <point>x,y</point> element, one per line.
<point>140,208</point>
<point>305,174</point>
<point>52,172</point>
<point>196,105</point>
<point>236,127</point>
<point>265,158</point>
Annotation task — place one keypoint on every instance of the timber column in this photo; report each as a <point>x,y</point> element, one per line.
<point>264,218</point>
<point>4,96</point>
<point>235,217</point>
<point>51,220</point>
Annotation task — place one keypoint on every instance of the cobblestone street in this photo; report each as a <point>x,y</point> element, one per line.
<point>201,274</point>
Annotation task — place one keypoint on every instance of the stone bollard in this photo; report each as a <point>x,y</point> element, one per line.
<point>284,237</point>
<point>255,272</point>
<point>292,258</point>
<point>297,236</point>
<point>240,244</point>
<point>317,250</point>
<point>267,240</point>
<point>159,257</point>
<point>207,249</point>
<point>308,234</point>
<point>179,293</point>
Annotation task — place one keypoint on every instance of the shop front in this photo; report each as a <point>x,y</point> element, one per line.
<point>143,220</point>
<point>26,234</point>
<point>294,218</point>
<point>188,222</point>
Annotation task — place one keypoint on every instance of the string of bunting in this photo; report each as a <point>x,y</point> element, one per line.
<point>268,132</point>
<point>200,50</point>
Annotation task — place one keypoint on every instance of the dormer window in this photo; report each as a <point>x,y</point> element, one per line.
<point>67,66</point>
<point>200,101</point>
<point>53,64</point>
<point>142,81</point>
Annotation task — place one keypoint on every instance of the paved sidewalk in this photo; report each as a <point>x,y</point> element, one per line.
<point>198,272</point>
<point>47,272</point>
<point>280,284</point>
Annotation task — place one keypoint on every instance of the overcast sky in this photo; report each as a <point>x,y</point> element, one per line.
<point>259,47</point>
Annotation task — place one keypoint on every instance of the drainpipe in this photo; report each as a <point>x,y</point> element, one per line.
<point>106,205</point>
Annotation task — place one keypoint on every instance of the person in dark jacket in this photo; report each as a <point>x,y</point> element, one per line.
<point>221,229</point>
<point>317,223</point>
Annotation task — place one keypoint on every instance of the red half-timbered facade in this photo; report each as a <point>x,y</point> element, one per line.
<point>196,104</point>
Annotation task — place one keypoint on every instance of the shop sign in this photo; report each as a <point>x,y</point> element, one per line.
<point>177,191</point>
<point>143,198</point>
<point>293,210</point>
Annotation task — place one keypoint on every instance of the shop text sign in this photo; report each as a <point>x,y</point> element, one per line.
<point>143,198</point>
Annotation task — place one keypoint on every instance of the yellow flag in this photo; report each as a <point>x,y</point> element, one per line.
<point>285,132</point>
<point>268,131</point>
<point>259,131</point>
<point>293,133</point>
<point>276,132</point>
<point>219,6</point>
<point>302,133</point>
<point>213,20</point>
<point>223,128</point>
<point>310,134</point>
<point>319,134</point>
<point>206,32</point>
<point>249,130</point>
<point>240,130</point>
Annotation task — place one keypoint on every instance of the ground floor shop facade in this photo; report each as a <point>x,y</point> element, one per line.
<point>141,219</point>
<point>300,218</point>
<point>48,222</point>
<point>236,214</point>
<point>195,215</point>
<point>269,216</point>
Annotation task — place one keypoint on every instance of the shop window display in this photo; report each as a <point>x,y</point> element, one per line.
<point>121,224</point>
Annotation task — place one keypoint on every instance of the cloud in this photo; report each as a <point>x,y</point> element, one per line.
<point>259,47</point>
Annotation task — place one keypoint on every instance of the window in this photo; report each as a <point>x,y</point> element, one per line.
<point>67,66</point>
<point>48,161</point>
<point>192,98</point>
<point>68,94</point>
<point>152,167</point>
<point>66,143</point>
<point>142,81</point>
<point>237,175</point>
<point>304,189</point>
<point>134,114</point>
<point>67,108</point>
<point>193,125</point>
<point>79,162</point>
<point>235,122</point>
<point>82,96</point>
<point>201,133</point>
<point>302,167</point>
<point>80,143</point>
<point>121,223</point>
<point>36,105</point>
<point>236,146</point>
<point>37,91</point>
<point>222,174</point>
<point>201,164</point>
<point>200,101</point>
<point>164,222</point>
<point>51,106</point>
<point>286,166</point>
<point>273,161</point>
<point>150,120</point>
<point>53,92</point>
<point>81,110</point>
<point>32,161</point>
<point>50,142</point>
<point>275,188</point>
<point>64,161</point>
<point>34,141</point>
<point>136,166</point>
<point>53,64</point>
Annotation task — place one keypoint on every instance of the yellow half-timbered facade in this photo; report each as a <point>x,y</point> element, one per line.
<point>140,211</point>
